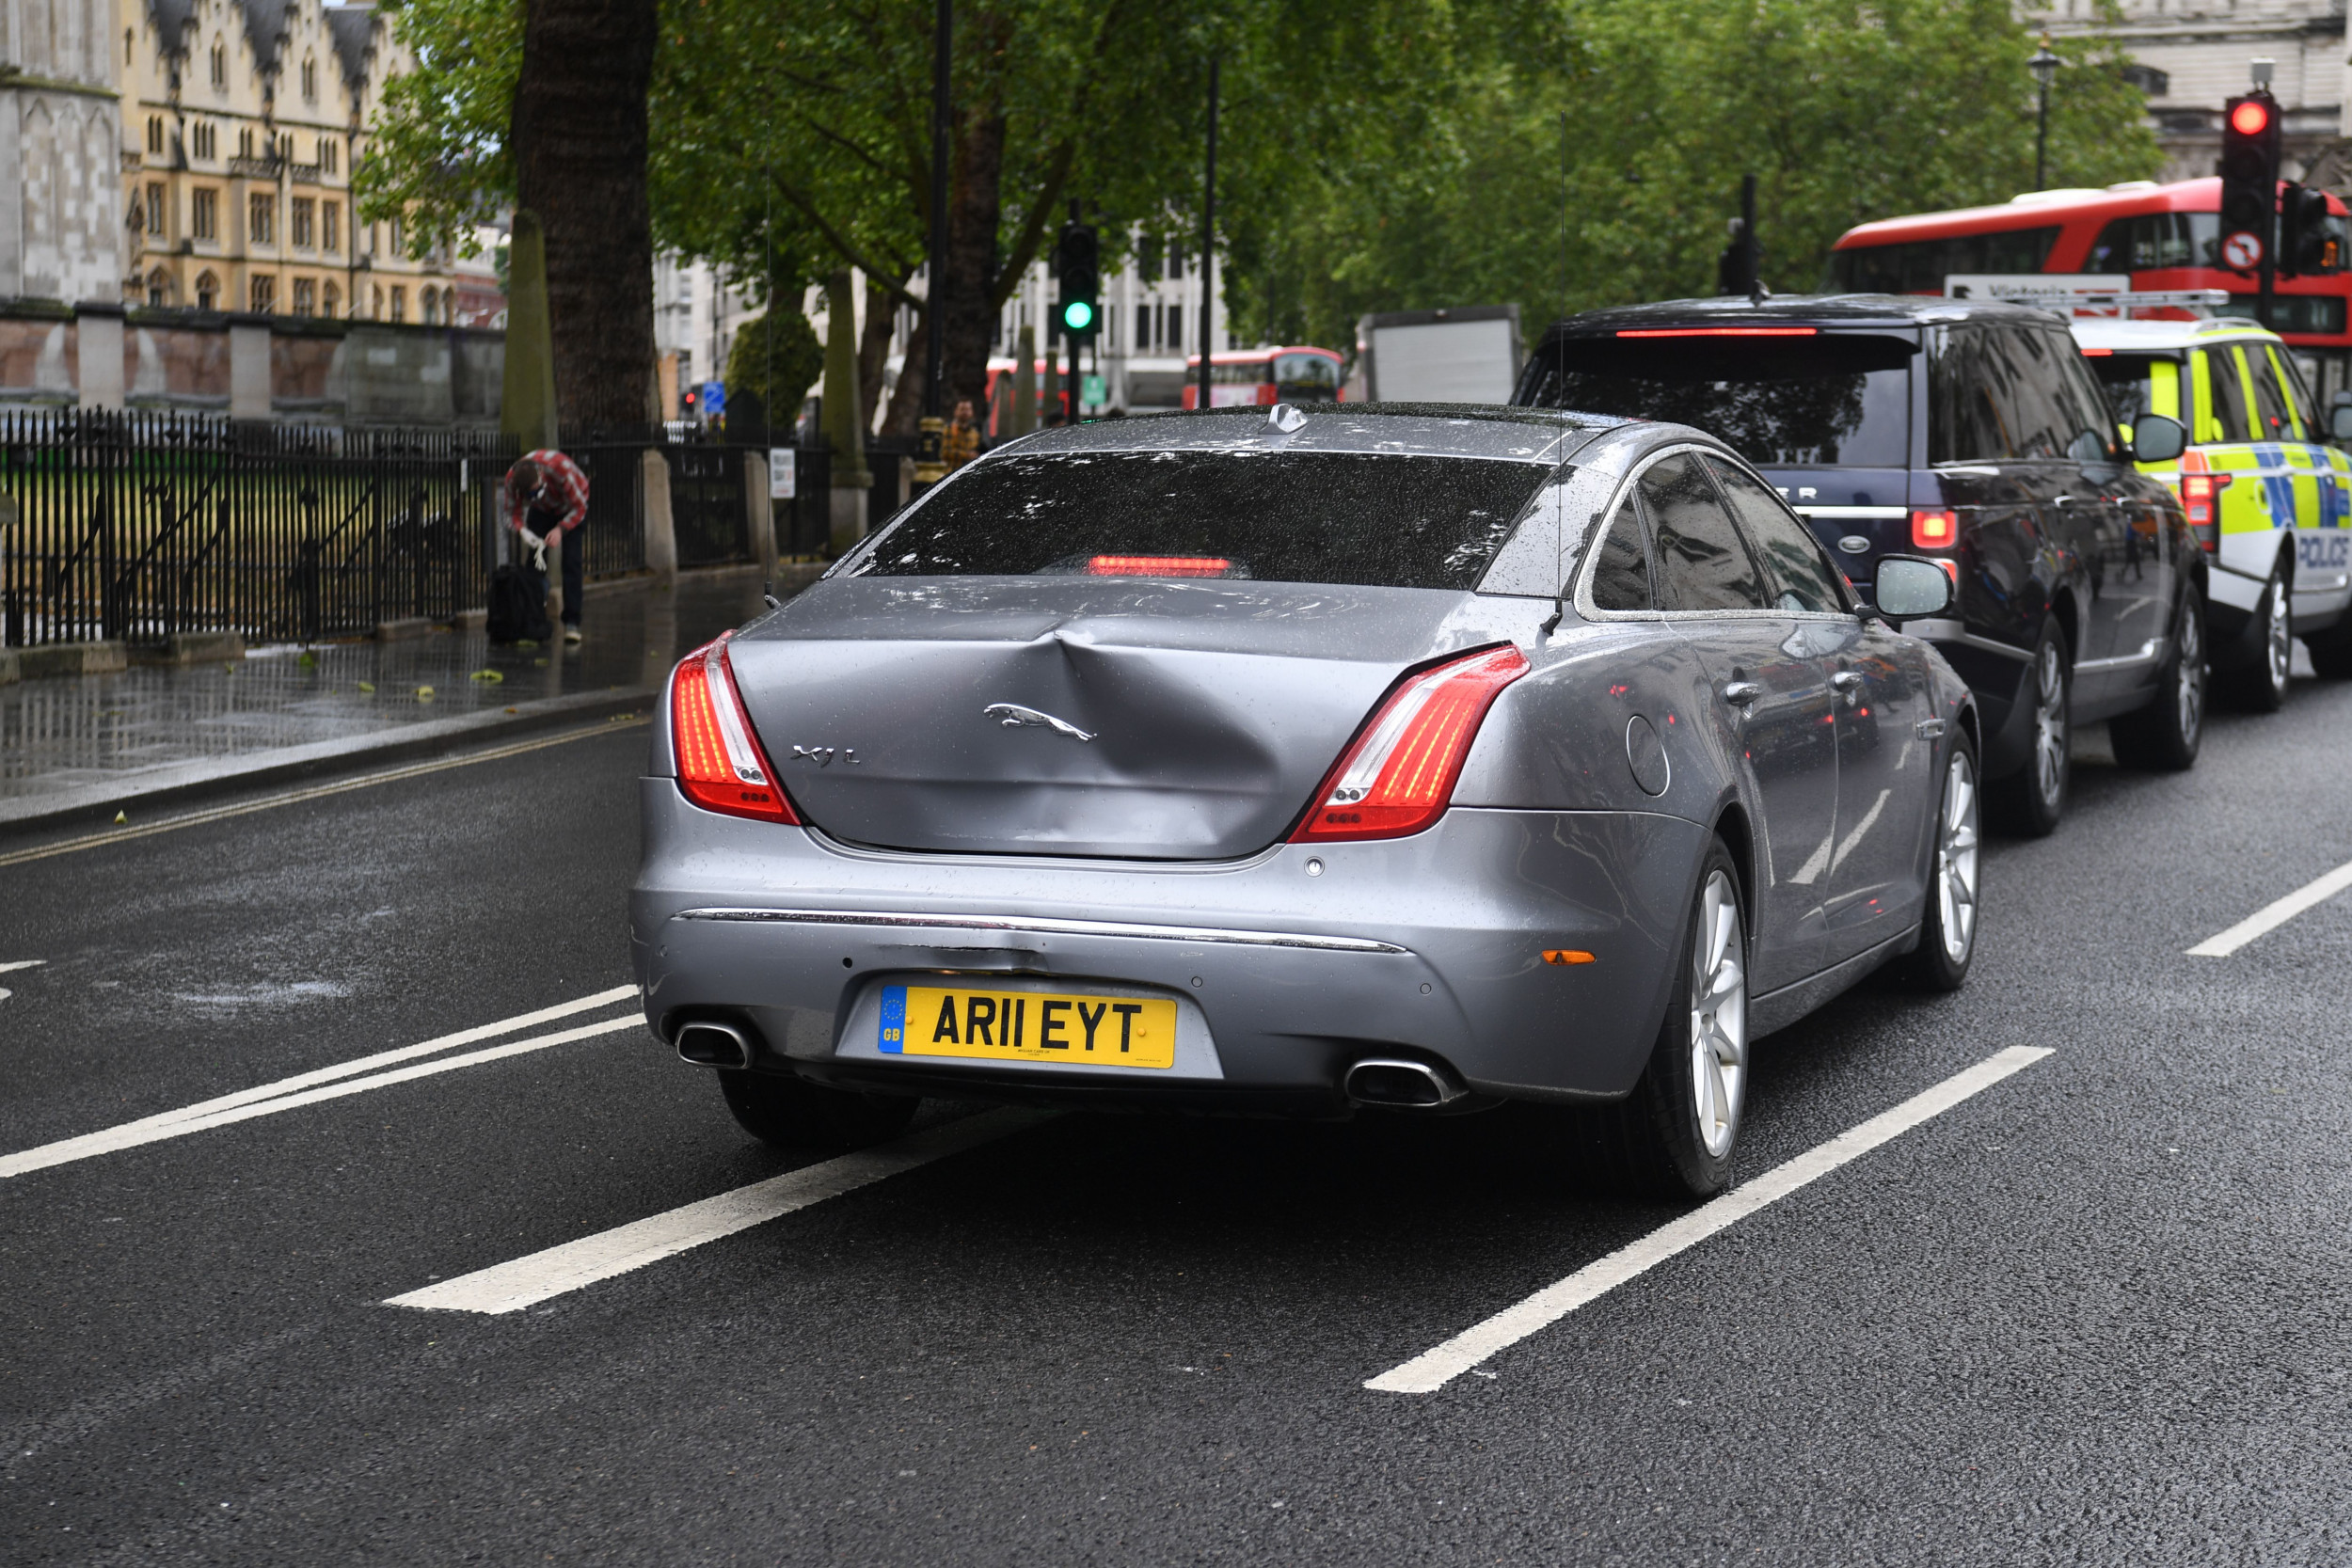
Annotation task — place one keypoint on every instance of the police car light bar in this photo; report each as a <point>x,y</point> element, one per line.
<point>2079,293</point>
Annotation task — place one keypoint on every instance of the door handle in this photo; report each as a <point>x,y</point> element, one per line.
<point>1741,693</point>
<point>1846,680</point>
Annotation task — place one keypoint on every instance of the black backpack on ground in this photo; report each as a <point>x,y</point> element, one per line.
<point>518,606</point>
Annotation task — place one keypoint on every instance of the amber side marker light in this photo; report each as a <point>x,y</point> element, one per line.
<point>1566,956</point>
<point>720,766</point>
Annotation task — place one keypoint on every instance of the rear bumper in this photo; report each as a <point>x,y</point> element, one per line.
<point>1430,946</point>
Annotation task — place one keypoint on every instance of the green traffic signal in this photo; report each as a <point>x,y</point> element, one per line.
<point>1077,315</point>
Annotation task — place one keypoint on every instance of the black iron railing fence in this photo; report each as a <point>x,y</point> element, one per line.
<point>136,526</point>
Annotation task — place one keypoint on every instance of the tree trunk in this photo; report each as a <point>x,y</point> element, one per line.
<point>579,139</point>
<point>906,399</point>
<point>975,206</point>
<point>873,349</point>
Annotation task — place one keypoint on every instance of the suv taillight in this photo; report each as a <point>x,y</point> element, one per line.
<point>719,765</point>
<point>1934,531</point>
<point>1398,777</point>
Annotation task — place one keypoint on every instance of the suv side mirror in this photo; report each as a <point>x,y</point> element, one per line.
<point>1910,588</point>
<point>2340,421</point>
<point>2158,438</point>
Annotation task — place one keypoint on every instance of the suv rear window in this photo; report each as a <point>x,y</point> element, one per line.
<point>1364,518</point>
<point>1822,399</point>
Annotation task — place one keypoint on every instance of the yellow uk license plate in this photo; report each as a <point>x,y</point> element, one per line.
<point>1027,1026</point>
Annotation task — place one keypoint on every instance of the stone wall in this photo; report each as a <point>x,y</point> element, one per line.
<point>283,367</point>
<point>60,137</point>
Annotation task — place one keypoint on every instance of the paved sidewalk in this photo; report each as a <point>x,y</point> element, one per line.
<point>90,744</point>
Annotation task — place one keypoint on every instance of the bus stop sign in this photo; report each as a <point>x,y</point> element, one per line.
<point>2242,250</point>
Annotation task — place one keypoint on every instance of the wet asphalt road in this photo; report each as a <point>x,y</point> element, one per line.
<point>2095,1314</point>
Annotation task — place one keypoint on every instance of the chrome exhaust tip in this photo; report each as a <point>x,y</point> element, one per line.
<point>708,1044</point>
<point>1392,1081</point>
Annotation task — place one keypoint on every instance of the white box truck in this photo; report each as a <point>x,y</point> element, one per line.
<point>1470,353</point>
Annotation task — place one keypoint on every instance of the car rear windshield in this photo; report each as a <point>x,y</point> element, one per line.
<point>1818,399</point>
<point>1376,520</point>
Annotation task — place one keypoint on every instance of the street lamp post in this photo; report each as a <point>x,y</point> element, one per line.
<point>929,463</point>
<point>2044,67</point>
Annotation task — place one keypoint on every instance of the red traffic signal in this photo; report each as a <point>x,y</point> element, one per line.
<point>2250,116</point>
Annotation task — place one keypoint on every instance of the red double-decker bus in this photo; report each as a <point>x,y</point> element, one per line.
<point>1255,375</point>
<point>2147,236</point>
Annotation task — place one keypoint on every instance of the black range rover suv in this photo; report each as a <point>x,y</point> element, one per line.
<point>1972,431</point>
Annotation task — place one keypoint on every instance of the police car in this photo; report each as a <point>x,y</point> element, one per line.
<point>2268,499</point>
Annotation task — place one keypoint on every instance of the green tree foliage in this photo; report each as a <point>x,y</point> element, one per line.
<point>798,358</point>
<point>1375,154</point>
<point>1846,110</point>
<point>438,155</point>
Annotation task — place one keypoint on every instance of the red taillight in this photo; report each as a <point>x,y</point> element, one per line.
<point>1398,777</point>
<point>719,765</point>
<point>1934,531</point>
<point>2201,494</point>
<point>1158,566</point>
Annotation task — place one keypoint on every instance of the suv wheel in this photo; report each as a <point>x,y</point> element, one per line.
<point>2164,735</point>
<point>2032,800</point>
<point>2261,685</point>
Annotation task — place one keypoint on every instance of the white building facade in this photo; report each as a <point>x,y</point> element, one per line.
<point>2189,57</point>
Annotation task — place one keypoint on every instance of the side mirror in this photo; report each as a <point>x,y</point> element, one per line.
<point>2340,421</point>
<point>1910,588</point>
<point>2158,438</point>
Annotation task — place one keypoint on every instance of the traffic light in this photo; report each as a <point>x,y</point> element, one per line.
<point>2304,240</point>
<point>2250,180</point>
<point>1081,313</point>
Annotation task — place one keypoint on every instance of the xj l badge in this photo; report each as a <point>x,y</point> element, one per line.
<point>1014,717</point>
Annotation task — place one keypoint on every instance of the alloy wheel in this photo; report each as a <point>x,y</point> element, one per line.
<point>2278,637</point>
<point>1719,1014</point>
<point>2189,676</point>
<point>1956,859</point>
<point>2049,721</point>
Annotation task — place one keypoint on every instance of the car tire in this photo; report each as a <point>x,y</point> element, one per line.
<point>1948,931</point>
<point>791,1113</point>
<point>1674,1135</point>
<point>2331,649</point>
<point>2164,737</point>
<point>2261,685</point>
<point>2032,801</point>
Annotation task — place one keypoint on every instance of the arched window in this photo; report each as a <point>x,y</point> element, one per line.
<point>309,81</point>
<point>330,300</point>
<point>159,287</point>
<point>265,294</point>
<point>155,135</point>
<point>130,42</point>
<point>207,290</point>
<point>220,63</point>
<point>377,313</point>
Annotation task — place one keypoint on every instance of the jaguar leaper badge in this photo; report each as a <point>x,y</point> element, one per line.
<point>1014,717</point>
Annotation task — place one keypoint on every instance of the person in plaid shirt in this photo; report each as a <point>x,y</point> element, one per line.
<point>546,498</point>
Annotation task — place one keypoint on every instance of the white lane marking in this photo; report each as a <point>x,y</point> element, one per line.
<point>157,1129</point>
<point>2270,917</point>
<point>523,1282</point>
<point>1434,1369</point>
<point>383,1058</point>
<point>366,781</point>
<point>21,963</point>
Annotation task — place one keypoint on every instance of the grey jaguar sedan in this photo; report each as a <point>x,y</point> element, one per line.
<point>1303,759</point>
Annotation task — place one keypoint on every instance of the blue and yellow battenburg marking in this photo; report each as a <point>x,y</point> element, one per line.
<point>1028,1026</point>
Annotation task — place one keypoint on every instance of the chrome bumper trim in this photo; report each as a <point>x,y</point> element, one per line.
<point>1044,927</point>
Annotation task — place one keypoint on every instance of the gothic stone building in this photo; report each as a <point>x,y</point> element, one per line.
<point>240,122</point>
